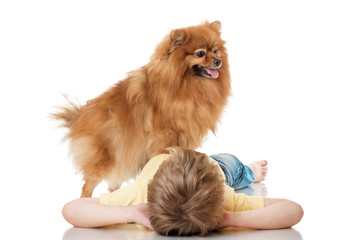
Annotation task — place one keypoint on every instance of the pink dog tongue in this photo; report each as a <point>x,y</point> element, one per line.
<point>212,72</point>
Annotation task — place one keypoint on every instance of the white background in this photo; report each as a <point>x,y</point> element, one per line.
<point>296,72</point>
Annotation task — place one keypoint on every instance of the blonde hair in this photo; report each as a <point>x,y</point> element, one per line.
<point>186,195</point>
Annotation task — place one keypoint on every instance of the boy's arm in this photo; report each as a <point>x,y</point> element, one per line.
<point>277,213</point>
<point>88,212</point>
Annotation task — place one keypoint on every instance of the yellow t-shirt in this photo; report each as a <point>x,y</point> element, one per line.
<point>136,192</point>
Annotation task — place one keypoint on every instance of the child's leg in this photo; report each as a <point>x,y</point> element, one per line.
<point>237,174</point>
<point>88,212</point>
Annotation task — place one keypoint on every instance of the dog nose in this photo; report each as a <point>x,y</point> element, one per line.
<point>217,62</point>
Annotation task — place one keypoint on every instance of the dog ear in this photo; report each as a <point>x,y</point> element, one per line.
<point>177,37</point>
<point>216,26</point>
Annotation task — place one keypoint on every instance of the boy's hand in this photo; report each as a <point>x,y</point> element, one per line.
<point>139,214</point>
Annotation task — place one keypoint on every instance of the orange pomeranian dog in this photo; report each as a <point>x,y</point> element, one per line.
<point>173,101</point>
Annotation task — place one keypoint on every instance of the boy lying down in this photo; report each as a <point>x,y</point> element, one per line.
<point>184,193</point>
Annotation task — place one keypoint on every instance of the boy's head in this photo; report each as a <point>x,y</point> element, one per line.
<point>186,195</point>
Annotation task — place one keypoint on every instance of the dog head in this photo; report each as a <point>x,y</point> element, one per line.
<point>196,51</point>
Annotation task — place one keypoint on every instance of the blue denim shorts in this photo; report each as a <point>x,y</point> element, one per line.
<point>237,175</point>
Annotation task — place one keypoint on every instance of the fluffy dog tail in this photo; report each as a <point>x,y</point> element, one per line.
<point>67,114</point>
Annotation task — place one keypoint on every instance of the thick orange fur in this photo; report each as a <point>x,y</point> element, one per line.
<point>160,105</point>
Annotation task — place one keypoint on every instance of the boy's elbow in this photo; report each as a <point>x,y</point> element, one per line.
<point>298,214</point>
<point>69,213</point>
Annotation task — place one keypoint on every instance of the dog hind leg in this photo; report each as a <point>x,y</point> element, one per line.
<point>89,186</point>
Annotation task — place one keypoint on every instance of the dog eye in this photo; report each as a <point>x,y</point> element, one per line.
<point>215,50</point>
<point>200,54</point>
